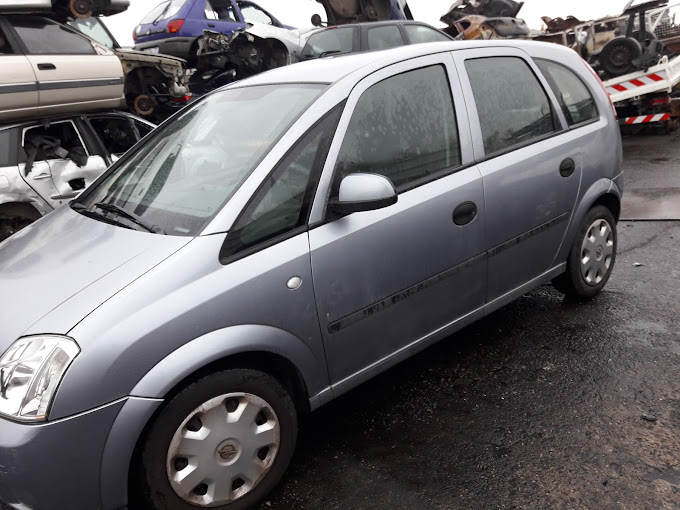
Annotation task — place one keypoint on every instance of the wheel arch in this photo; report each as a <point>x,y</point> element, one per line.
<point>602,192</point>
<point>11,209</point>
<point>247,346</point>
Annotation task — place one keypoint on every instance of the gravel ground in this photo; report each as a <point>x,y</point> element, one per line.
<point>546,404</point>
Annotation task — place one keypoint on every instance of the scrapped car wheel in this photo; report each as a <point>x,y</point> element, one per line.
<point>11,226</point>
<point>618,55</point>
<point>592,256</point>
<point>144,105</point>
<point>81,8</point>
<point>223,442</point>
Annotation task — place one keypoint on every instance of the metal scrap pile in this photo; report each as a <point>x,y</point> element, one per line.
<point>485,19</point>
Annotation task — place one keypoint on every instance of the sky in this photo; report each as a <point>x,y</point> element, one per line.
<point>298,13</point>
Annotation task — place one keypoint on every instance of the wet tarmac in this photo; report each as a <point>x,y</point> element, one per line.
<point>652,171</point>
<point>546,404</point>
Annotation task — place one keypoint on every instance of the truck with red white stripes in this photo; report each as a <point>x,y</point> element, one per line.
<point>648,96</point>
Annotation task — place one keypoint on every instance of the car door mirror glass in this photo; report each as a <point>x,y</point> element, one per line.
<point>364,192</point>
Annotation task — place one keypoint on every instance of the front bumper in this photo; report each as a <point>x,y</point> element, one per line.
<point>54,465</point>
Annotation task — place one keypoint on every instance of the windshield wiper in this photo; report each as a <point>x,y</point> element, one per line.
<point>119,211</point>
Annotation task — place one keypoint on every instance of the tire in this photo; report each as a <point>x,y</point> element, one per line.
<point>223,453</point>
<point>618,54</point>
<point>577,282</point>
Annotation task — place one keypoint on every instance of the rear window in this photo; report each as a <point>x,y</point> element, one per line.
<point>163,11</point>
<point>574,97</point>
<point>329,42</point>
<point>385,37</point>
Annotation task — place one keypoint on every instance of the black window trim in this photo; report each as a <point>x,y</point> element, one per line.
<point>445,172</point>
<point>595,119</point>
<point>559,130</point>
<point>313,179</point>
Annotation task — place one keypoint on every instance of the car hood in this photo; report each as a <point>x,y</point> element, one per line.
<point>57,271</point>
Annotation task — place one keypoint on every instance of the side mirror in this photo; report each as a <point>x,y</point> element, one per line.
<point>364,192</point>
<point>316,20</point>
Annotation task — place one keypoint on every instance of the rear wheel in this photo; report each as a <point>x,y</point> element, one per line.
<point>592,256</point>
<point>222,442</point>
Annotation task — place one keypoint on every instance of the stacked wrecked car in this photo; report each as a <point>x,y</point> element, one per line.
<point>60,127</point>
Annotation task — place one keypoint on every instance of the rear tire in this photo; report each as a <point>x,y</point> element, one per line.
<point>218,453</point>
<point>592,256</point>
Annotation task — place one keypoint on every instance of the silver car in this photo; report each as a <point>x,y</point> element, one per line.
<point>277,244</point>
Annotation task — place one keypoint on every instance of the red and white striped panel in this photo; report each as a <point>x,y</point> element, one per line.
<point>650,79</point>
<point>645,119</point>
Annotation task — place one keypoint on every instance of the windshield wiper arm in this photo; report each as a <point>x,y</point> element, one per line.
<point>119,211</point>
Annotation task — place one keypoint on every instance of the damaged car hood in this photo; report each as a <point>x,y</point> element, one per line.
<point>152,58</point>
<point>60,269</point>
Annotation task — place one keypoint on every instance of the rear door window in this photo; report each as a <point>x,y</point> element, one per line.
<point>513,108</point>
<point>574,97</point>
<point>44,37</point>
<point>403,128</point>
<point>58,141</point>
<point>384,37</point>
<point>5,47</point>
<point>420,34</point>
<point>329,42</point>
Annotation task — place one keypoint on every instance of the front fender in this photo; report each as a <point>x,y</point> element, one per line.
<point>598,189</point>
<point>230,341</point>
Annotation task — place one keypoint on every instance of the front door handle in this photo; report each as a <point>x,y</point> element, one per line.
<point>47,67</point>
<point>567,167</point>
<point>211,25</point>
<point>465,213</point>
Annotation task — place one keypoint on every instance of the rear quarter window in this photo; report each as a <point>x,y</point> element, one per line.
<point>575,99</point>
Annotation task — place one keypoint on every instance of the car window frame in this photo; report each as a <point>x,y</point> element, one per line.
<point>356,40</point>
<point>598,112</point>
<point>370,26</point>
<point>24,48</point>
<point>11,39</point>
<point>274,21</point>
<point>461,56</point>
<point>314,180</point>
<point>26,127</point>
<point>96,137</point>
<point>444,58</point>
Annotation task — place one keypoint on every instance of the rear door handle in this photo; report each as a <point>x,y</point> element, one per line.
<point>465,213</point>
<point>211,25</point>
<point>47,67</point>
<point>567,167</point>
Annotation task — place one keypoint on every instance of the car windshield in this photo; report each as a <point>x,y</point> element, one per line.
<point>190,167</point>
<point>163,11</point>
<point>94,29</point>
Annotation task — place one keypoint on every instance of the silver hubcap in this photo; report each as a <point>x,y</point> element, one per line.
<point>223,449</point>
<point>597,252</point>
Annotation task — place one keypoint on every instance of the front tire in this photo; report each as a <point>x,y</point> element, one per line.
<point>592,256</point>
<point>224,441</point>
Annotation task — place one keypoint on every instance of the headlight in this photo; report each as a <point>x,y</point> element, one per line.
<point>30,372</point>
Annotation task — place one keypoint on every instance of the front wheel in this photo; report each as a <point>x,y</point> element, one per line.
<point>592,256</point>
<point>222,442</point>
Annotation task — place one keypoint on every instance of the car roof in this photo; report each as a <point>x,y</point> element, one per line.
<point>332,69</point>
